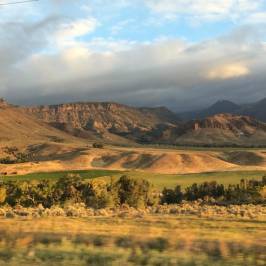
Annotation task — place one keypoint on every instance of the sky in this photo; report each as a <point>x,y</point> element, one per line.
<point>183,54</point>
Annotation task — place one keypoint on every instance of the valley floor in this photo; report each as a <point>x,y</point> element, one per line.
<point>186,236</point>
<point>57,157</point>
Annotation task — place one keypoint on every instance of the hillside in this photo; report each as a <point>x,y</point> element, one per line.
<point>106,120</point>
<point>20,130</point>
<point>80,123</point>
<point>55,150</point>
<point>224,129</point>
<point>256,110</point>
<point>217,130</point>
<point>117,123</point>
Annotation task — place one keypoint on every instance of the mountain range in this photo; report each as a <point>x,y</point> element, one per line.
<point>256,110</point>
<point>224,123</point>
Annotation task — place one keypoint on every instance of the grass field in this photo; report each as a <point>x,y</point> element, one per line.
<point>152,240</point>
<point>159,180</point>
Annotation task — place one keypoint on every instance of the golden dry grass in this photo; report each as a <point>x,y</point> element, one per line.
<point>60,157</point>
<point>171,240</point>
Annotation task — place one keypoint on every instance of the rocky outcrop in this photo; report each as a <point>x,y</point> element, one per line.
<point>150,125</point>
<point>222,129</point>
<point>104,117</point>
<point>235,123</point>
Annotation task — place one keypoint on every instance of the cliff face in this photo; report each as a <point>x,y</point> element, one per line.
<point>149,125</point>
<point>103,117</point>
<point>215,130</point>
<point>229,122</point>
<point>235,123</point>
<point>224,129</point>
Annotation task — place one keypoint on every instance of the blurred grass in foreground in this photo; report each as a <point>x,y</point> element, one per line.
<point>152,240</point>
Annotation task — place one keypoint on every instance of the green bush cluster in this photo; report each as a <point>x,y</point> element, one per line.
<point>248,191</point>
<point>138,193</point>
<point>72,189</point>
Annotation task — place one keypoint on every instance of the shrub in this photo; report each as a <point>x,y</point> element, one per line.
<point>7,160</point>
<point>171,196</point>
<point>124,242</point>
<point>160,244</point>
<point>138,193</point>
<point>68,188</point>
<point>99,194</point>
<point>135,192</point>
<point>97,145</point>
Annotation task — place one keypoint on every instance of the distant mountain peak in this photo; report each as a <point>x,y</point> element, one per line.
<point>224,104</point>
<point>263,101</point>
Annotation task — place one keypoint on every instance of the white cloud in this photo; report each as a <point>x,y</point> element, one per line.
<point>60,59</point>
<point>204,10</point>
<point>68,32</point>
<point>228,71</point>
<point>257,17</point>
<point>166,72</point>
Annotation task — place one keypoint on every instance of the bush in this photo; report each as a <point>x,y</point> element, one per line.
<point>7,160</point>
<point>171,196</point>
<point>159,244</point>
<point>135,192</point>
<point>97,145</point>
<point>99,194</point>
<point>68,188</point>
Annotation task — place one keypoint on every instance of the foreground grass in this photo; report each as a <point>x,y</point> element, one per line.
<point>150,240</point>
<point>159,180</point>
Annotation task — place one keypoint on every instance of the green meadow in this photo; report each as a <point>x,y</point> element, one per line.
<point>158,180</point>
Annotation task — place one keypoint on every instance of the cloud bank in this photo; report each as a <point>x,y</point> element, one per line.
<point>55,58</point>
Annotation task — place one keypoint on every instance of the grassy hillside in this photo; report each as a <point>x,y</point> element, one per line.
<point>17,129</point>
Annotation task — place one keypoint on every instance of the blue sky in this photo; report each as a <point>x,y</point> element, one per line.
<point>147,21</point>
<point>142,52</point>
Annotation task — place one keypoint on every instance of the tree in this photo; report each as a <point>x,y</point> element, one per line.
<point>172,196</point>
<point>135,192</point>
<point>99,194</point>
<point>68,188</point>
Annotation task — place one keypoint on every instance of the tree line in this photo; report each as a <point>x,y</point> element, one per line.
<point>248,191</point>
<point>95,193</point>
<point>139,193</point>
